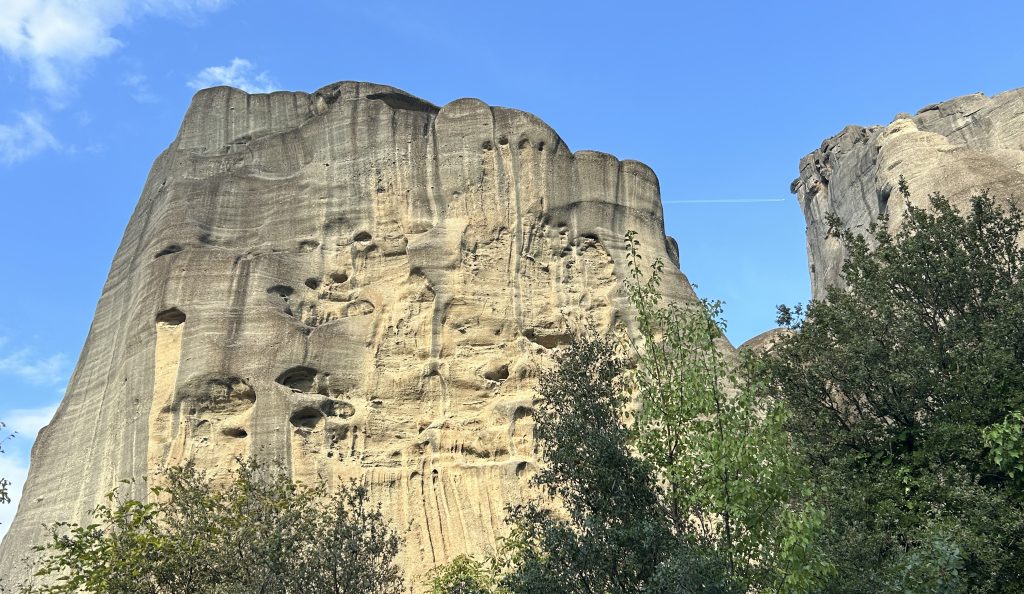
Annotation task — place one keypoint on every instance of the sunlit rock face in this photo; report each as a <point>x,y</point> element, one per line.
<point>356,284</point>
<point>959,148</point>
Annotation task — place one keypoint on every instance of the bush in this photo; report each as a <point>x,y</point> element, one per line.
<point>260,533</point>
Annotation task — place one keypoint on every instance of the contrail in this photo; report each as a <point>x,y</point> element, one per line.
<point>724,201</point>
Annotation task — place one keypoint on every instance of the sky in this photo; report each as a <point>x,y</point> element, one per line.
<point>721,98</point>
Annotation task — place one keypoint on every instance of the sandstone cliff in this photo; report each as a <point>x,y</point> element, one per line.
<point>358,284</point>
<point>958,147</point>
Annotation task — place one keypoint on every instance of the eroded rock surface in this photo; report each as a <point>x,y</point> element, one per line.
<point>357,284</point>
<point>959,148</point>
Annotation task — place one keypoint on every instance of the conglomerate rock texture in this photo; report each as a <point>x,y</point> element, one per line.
<point>355,283</point>
<point>958,148</point>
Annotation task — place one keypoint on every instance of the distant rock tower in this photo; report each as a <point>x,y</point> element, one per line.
<point>355,283</point>
<point>958,147</point>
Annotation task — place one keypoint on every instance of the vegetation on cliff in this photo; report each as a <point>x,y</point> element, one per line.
<point>259,533</point>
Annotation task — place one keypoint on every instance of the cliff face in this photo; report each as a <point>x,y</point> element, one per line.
<point>355,283</point>
<point>958,148</point>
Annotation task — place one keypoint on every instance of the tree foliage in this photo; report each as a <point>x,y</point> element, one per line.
<point>464,575</point>
<point>259,533</point>
<point>717,446</point>
<point>906,391</point>
<point>613,534</point>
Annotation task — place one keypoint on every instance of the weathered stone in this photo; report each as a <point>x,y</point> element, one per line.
<point>357,284</point>
<point>765,341</point>
<point>959,148</point>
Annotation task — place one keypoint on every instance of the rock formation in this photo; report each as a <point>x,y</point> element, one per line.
<point>358,284</point>
<point>958,148</point>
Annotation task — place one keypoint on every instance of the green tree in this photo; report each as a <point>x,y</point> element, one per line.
<point>464,575</point>
<point>613,533</point>
<point>259,533</point>
<point>906,390</point>
<point>718,446</point>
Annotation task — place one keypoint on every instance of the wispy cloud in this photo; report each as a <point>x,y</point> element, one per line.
<point>58,39</point>
<point>724,201</point>
<point>39,371</point>
<point>138,85</point>
<point>26,137</point>
<point>240,74</point>
<point>25,424</point>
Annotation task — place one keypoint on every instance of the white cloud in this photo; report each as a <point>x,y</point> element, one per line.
<point>239,74</point>
<point>44,371</point>
<point>25,423</point>
<point>56,39</point>
<point>25,138</point>
<point>139,86</point>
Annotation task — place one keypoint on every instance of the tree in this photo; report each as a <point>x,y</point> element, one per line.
<point>464,575</point>
<point>717,445</point>
<point>906,390</point>
<point>260,533</point>
<point>613,533</point>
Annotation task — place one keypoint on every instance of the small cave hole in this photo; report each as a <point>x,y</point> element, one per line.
<point>306,418</point>
<point>171,317</point>
<point>281,291</point>
<point>524,143</point>
<point>236,432</point>
<point>308,245</point>
<point>503,140</point>
<point>299,379</point>
<point>171,249</point>
<point>313,283</point>
<point>487,145</point>
<point>362,236</point>
<point>497,374</point>
<point>540,146</point>
<point>338,277</point>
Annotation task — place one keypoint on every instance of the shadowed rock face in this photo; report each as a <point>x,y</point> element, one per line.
<point>958,148</point>
<point>354,283</point>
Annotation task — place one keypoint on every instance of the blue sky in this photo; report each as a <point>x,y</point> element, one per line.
<point>721,100</point>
